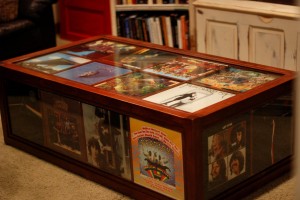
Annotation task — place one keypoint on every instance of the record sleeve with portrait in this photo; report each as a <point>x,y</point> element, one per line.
<point>107,140</point>
<point>63,126</point>
<point>227,153</point>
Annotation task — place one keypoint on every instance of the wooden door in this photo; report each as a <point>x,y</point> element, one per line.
<point>82,19</point>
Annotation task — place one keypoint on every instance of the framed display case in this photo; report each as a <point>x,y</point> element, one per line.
<point>151,121</point>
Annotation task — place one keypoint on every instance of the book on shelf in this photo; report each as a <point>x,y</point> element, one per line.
<point>125,2</point>
<point>159,28</point>
<point>183,32</point>
<point>164,30</point>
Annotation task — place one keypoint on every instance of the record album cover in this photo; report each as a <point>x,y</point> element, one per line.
<point>92,73</point>
<point>157,158</point>
<point>137,84</point>
<point>188,97</point>
<point>52,63</point>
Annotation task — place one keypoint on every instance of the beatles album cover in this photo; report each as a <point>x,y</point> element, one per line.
<point>185,68</point>
<point>235,79</point>
<point>52,63</point>
<point>92,73</point>
<point>157,158</point>
<point>107,140</point>
<point>62,122</point>
<point>188,97</point>
<point>101,48</point>
<point>226,161</point>
<point>137,84</point>
<point>144,58</point>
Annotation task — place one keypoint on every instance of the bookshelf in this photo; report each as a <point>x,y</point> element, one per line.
<point>160,22</point>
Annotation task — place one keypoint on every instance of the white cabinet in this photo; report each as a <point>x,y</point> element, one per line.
<point>252,31</point>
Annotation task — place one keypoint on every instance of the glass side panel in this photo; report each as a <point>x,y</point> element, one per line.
<point>25,112</point>
<point>246,144</point>
<point>93,135</point>
<point>149,74</point>
<point>109,141</point>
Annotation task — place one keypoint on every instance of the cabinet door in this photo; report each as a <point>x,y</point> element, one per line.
<point>218,33</point>
<point>83,19</point>
<point>249,36</point>
<point>266,46</point>
<point>222,39</point>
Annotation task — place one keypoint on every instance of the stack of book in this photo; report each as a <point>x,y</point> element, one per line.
<point>169,30</point>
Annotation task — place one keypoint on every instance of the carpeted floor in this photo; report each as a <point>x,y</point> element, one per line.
<point>25,177</point>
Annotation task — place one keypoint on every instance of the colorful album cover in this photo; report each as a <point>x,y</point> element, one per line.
<point>107,140</point>
<point>144,58</point>
<point>101,48</point>
<point>235,79</point>
<point>137,84</point>
<point>92,73</point>
<point>157,158</point>
<point>62,118</point>
<point>184,68</point>
<point>226,153</point>
<point>188,97</point>
<point>52,63</point>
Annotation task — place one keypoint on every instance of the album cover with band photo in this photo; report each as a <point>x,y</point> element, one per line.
<point>107,140</point>
<point>226,154</point>
<point>63,125</point>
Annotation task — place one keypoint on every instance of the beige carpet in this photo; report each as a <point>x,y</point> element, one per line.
<point>25,177</point>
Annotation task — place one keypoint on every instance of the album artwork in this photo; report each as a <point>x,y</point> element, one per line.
<point>188,97</point>
<point>184,68</point>
<point>137,84</point>
<point>92,73</point>
<point>63,127</point>
<point>226,157</point>
<point>144,58</point>
<point>235,79</point>
<point>107,140</point>
<point>52,63</point>
<point>157,158</point>
<point>101,48</point>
